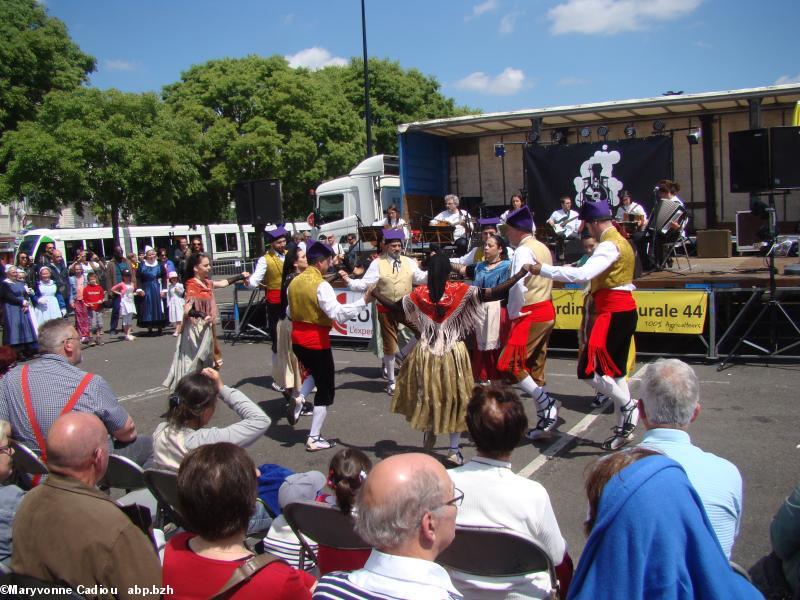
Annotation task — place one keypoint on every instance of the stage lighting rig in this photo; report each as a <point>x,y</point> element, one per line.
<point>585,132</point>
<point>499,150</point>
<point>659,126</point>
<point>630,131</point>
<point>602,131</point>
<point>694,137</point>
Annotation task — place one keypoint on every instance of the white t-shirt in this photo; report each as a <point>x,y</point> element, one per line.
<point>561,217</point>
<point>454,219</point>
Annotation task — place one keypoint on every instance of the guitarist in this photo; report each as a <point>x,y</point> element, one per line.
<point>566,224</point>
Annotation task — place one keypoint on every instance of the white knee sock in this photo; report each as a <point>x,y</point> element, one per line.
<point>454,438</point>
<point>307,386</point>
<point>317,419</point>
<point>388,362</point>
<point>539,393</point>
<point>616,389</point>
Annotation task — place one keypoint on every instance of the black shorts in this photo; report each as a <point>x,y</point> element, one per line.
<point>618,344</point>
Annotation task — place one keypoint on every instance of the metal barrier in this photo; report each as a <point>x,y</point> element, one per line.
<point>231,266</point>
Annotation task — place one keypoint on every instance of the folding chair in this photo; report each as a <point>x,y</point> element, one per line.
<point>28,466</point>
<point>123,473</point>
<point>490,552</point>
<point>324,524</point>
<point>164,486</point>
<point>672,251</point>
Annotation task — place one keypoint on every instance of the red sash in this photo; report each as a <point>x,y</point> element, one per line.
<point>37,431</point>
<point>541,312</point>
<point>308,335</point>
<point>274,296</point>
<point>606,302</point>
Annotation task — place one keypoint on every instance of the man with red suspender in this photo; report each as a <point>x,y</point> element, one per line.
<point>603,361</point>
<point>532,319</point>
<point>312,308</point>
<point>267,273</point>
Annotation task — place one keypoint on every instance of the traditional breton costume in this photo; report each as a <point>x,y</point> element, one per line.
<point>313,307</point>
<point>174,300</point>
<point>287,372</point>
<point>603,362</point>
<point>47,301</point>
<point>532,315</point>
<point>435,383</point>
<point>268,274</point>
<point>394,276</point>
<point>493,325</point>
<point>475,255</point>
<point>19,329</point>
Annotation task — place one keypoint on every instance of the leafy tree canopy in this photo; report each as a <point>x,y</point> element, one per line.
<point>36,56</point>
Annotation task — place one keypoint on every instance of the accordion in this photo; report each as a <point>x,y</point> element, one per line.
<point>665,212</point>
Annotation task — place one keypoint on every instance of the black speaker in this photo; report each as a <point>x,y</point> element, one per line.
<point>267,206</point>
<point>749,160</point>
<point>784,143</point>
<point>244,205</point>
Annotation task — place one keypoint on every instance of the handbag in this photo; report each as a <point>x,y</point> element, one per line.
<point>245,572</point>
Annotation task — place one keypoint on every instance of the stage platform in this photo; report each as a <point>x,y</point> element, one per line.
<point>738,271</point>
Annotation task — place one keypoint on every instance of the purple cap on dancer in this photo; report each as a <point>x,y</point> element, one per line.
<point>318,250</point>
<point>596,211</point>
<point>275,234</point>
<point>489,223</point>
<point>521,219</point>
<point>392,235</point>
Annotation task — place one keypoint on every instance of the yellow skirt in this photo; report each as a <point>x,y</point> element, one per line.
<point>433,391</point>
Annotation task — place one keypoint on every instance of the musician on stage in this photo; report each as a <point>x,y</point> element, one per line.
<point>488,228</point>
<point>629,210</point>
<point>457,217</point>
<point>268,274</point>
<point>566,222</point>
<point>603,361</point>
<point>532,315</point>
<point>312,308</point>
<point>516,203</point>
<point>669,233</point>
<point>393,220</point>
<point>395,275</point>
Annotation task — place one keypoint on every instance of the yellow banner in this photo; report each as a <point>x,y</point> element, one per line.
<point>662,311</point>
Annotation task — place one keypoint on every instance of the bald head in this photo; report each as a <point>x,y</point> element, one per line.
<point>396,495</point>
<point>73,443</point>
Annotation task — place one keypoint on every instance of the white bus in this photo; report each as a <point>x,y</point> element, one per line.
<point>225,241</point>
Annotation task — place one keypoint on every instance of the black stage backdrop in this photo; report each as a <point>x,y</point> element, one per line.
<point>595,171</point>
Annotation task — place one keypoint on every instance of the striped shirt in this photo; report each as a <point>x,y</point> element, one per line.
<point>716,480</point>
<point>52,380</point>
<point>283,543</point>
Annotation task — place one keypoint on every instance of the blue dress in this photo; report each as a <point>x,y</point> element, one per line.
<point>17,323</point>
<point>149,280</point>
<point>485,278</point>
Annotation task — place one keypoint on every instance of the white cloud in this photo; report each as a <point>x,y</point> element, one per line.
<point>614,16</point>
<point>509,82</point>
<point>703,45</point>
<point>784,79</point>
<point>509,22</point>
<point>288,19</point>
<point>314,58</point>
<point>482,8</point>
<point>570,81</point>
<point>118,65</point>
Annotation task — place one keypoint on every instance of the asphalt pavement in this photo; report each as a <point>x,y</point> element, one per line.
<point>748,416</point>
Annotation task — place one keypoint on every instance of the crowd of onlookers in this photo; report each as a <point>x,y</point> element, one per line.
<point>661,521</point>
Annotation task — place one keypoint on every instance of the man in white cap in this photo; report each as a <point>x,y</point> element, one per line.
<point>394,275</point>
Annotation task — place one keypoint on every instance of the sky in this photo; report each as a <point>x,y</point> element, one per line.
<point>494,55</point>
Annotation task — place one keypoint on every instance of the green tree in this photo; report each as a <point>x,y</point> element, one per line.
<point>120,153</point>
<point>397,96</point>
<point>36,56</point>
<point>259,118</point>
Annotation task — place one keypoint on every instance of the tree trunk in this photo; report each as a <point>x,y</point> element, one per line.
<point>115,225</point>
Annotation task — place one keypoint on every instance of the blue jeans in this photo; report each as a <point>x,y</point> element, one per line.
<point>260,521</point>
<point>115,313</point>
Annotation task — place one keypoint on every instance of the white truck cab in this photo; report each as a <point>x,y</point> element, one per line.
<point>357,200</point>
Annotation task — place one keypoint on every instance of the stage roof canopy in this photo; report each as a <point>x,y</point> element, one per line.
<point>660,107</point>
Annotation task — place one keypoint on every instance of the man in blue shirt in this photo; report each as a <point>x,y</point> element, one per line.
<point>670,401</point>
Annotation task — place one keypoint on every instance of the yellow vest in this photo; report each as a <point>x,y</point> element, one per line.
<point>621,272</point>
<point>394,285</point>
<point>303,303</point>
<point>539,288</point>
<point>479,255</point>
<point>272,278</point>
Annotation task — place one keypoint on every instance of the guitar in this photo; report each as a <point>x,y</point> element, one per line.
<point>560,226</point>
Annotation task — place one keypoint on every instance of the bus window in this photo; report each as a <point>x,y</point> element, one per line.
<point>163,241</point>
<point>28,246</point>
<point>95,246</point>
<point>71,248</point>
<point>141,242</point>
<point>251,244</point>
<point>226,242</point>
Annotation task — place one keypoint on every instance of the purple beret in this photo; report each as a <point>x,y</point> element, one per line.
<point>318,250</point>
<point>276,234</point>
<point>391,235</point>
<point>521,219</point>
<point>489,222</point>
<point>595,211</point>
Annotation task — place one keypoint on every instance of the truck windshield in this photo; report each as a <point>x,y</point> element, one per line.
<point>28,245</point>
<point>331,208</point>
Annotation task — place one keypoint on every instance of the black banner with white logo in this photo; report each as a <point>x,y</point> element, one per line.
<point>595,171</point>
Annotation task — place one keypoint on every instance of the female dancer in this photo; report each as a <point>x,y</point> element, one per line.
<point>493,325</point>
<point>48,303</point>
<point>149,277</point>
<point>197,346</point>
<point>288,372</point>
<point>435,383</point>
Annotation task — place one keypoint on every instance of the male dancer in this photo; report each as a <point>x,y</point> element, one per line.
<point>603,362</point>
<point>394,275</point>
<point>313,307</point>
<point>532,315</point>
<point>267,273</point>
<point>488,227</point>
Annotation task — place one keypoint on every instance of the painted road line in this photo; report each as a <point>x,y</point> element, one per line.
<point>566,438</point>
<point>143,394</point>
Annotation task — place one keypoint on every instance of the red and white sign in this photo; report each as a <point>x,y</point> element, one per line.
<point>359,326</point>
